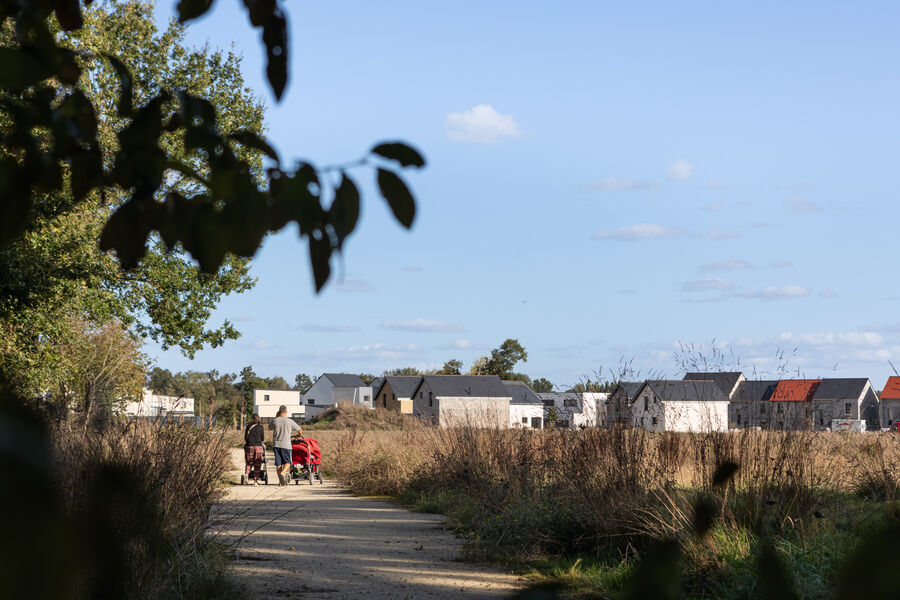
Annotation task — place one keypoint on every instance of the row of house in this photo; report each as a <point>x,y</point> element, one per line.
<point>698,402</point>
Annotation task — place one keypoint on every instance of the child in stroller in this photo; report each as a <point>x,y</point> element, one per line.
<point>305,459</point>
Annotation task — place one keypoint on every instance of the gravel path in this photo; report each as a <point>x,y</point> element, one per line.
<point>325,543</point>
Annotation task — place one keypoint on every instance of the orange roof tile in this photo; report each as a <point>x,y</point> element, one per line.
<point>891,389</point>
<point>795,390</point>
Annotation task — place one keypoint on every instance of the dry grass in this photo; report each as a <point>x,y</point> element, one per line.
<point>146,490</point>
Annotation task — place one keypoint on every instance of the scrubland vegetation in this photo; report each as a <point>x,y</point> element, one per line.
<point>741,514</point>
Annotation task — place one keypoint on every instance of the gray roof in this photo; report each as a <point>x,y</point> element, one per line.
<point>376,383</point>
<point>403,386</point>
<point>481,386</point>
<point>521,393</point>
<point>345,380</point>
<point>680,390</point>
<point>629,388</point>
<point>725,380</point>
<point>840,389</point>
<point>755,391</point>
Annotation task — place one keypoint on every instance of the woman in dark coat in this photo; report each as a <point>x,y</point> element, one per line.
<point>253,449</point>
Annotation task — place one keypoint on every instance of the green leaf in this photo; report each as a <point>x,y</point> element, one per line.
<point>344,210</point>
<point>404,154</point>
<point>253,140</point>
<point>275,40</point>
<point>398,197</point>
<point>191,9</point>
<point>20,69</point>
<point>126,85</point>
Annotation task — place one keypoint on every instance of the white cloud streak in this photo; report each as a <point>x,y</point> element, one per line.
<point>680,170</point>
<point>481,124</point>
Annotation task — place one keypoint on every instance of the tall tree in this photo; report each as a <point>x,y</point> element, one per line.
<point>404,371</point>
<point>302,382</point>
<point>504,358</point>
<point>541,385</point>
<point>451,367</point>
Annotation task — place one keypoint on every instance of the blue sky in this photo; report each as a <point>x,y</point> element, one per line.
<point>605,180</point>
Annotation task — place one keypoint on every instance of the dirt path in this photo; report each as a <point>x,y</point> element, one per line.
<point>327,544</point>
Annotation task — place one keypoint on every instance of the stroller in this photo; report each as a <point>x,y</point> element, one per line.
<point>264,473</point>
<point>305,460</point>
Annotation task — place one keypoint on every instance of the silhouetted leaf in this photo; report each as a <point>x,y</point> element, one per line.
<point>319,257</point>
<point>704,515</point>
<point>248,138</point>
<point>871,571</point>
<point>68,13</point>
<point>126,233</point>
<point>404,154</point>
<point>126,85</point>
<point>275,40</point>
<point>15,207</point>
<point>398,197</point>
<point>86,171</point>
<point>724,472</point>
<point>191,9</point>
<point>345,209</point>
<point>658,575</point>
<point>19,69</point>
<point>774,580</point>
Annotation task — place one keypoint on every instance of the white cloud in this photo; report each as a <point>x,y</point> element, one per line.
<point>781,264</point>
<point>865,339</point>
<point>422,325</point>
<point>642,231</point>
<point>352,286</point>
<point>730,264</point>
<point>460,344</point>
<point>261,344</point>
<point>706,284</point>
<point>614,184</point>
<point>329,328</point>
<point>680,170</point>
<point>776,293</point>
<point>802,205</point>
<point>481,124</point>
<point>827,294</point>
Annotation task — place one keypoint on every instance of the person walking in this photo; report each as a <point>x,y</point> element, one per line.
<point>283,428</point>
<point>253,449</point>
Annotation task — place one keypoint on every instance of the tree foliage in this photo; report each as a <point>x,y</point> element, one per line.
<point>451,367</point>
<point>542,385</point>
<point>404,371</point>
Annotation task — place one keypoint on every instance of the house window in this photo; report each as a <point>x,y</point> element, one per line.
<point>394,397</point>
<point>420,395</point>
<point>430,399</point>
<point>779,409</point>
<point>738,416</point>
<point>525,420</point>
<point>847,407</point>
<point>762,410</point>
<point>655,421</point>
<point>536,422</point>
<point>384,399</point>
<point>311,401</point>
<point>569,402</point>
<point>366,399</point>
<point>646,404</point>
<point>821,417</point>
<point>266,398</point>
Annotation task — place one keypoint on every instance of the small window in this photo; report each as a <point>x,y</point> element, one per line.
<point>266,398</point>
<point>569,402</point>
<point>763,410</point>
<point>525,420</point>
<point>311,401</point>
<point>430,400</point>
<point>779,409</point>
<point>536,422</point>
<point>421,395</point>
<point>394,397</point>
<point>646,403</point>
<point>366,399</point>
<point>384,399</point>
<point>655,421</point>
<point>847,408</point>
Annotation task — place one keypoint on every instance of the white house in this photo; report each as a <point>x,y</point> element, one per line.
<point>526,410</point>
<point>336,388</point>
<point>666,405</point>
<point>575,409</point>
<point>158,405</point>
<point>267,402</point>
<point>452,400</point>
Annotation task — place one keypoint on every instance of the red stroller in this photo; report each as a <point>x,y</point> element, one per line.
<point>305,460</point>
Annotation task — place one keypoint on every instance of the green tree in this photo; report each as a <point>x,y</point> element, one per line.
<point>367,378</point>
<point>592,386</point>
<point>404,371</point>
<point>277,383</point>
<point>302,382</point>
<point>541,385</point>
<point>161,381</point>
<point>451,367</point>
<point>504,358</point>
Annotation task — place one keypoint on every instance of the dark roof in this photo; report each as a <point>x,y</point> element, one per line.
<point>376,383</point>
<point>891,389</point>
<point>679,390</point>
<point>345,380</point>
<point>482,386</point>
<point>725,380</point>
<point>755,391</point>
<point>629,388</point>
<point>841,388</point>
<point>521,393</point>
<point>794,390</point>
<point>403,386</point>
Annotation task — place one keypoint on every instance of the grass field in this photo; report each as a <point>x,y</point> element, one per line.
<point>584,508</point>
